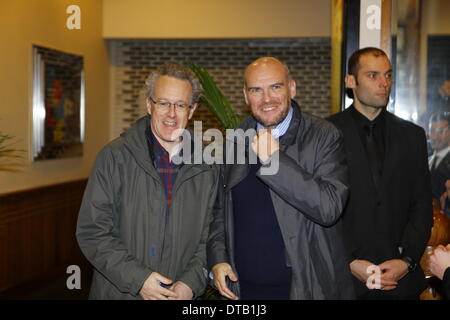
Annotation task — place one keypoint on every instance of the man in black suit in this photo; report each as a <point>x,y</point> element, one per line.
<point>388,217</point>
<point>439,161</point>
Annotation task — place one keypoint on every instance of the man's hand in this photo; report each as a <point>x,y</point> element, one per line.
<point>264,144</point>
<point>440,260</point>
<point>182,290</point>
<point>359,269</point>
<point>392,271</point>
<point>221,271</point>
<point>370,274</point>
<point>152,290</point>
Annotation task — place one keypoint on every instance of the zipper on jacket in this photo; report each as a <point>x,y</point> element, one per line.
<point>165,217</point>
<point>158,254</point>
<point>168,214</point>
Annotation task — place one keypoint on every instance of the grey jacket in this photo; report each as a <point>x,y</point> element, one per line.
<point>308,193</point>
<point>122,225</point>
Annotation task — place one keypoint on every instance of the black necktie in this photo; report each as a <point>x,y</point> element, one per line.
<point>373,154</point>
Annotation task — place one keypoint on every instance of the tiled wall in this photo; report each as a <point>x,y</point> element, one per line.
<point>309,60</point>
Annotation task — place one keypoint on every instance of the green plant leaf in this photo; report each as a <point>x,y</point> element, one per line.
<point>214,99</point>
<point>5,148</point>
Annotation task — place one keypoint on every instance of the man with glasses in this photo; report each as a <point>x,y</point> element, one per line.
<point>144,220</point>
<point>439,161</point>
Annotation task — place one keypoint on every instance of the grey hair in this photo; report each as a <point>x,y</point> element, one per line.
<point>176,71</point>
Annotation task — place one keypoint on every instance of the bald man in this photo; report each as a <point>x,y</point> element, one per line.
<point>276,234</point>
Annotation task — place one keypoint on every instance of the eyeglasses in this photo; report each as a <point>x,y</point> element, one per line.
<point>164,105</point>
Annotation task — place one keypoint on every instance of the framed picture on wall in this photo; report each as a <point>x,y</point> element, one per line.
<point>58,104</point>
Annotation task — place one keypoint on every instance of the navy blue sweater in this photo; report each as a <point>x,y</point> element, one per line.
<point>259,248</point>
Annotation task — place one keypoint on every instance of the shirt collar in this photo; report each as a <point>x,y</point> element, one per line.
<point>440,155</point>
<point>281,128</point>
<point>159,151</point>
<point>362,121</point>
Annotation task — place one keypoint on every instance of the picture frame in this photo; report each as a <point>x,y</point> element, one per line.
<point>58,104</point>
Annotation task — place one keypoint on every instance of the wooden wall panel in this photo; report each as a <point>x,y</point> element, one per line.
<point>3,262</point>
<point>37,233</point>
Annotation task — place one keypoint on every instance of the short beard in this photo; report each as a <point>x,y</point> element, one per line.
<point>375,106</point>
<point>274,123</point>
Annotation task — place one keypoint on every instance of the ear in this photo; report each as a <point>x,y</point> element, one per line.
<point>292,89</point>
<point>149,106</point>
<point>350,81</point>
<point>245,95</point>
<point>191,111</point>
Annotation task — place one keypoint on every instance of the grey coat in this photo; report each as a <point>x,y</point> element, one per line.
<point>122,227</point>
<point>308,193</point>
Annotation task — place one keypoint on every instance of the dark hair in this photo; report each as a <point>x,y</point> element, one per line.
<point>354,65</point>
<point>353,61</point>
<point>441,116</point>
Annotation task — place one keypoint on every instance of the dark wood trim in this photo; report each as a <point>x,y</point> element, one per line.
<point>37,233</point>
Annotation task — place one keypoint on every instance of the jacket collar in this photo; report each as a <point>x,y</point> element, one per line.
<point>289,137</point>
<point>359,157</point>
<point>236,172</point>
<point>137,142</point>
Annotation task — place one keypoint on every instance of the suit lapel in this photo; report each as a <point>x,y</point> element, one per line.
<point>234,174</point>
<point>444,164</point>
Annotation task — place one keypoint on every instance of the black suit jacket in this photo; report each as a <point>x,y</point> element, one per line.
<point>376,224</point>
<point>439,176</point>
<point>446,283</point>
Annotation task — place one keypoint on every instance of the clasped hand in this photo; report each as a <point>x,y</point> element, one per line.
<point>153,290</point>
<point>384,276</point>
